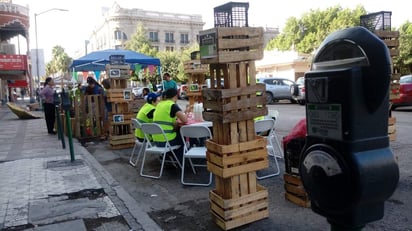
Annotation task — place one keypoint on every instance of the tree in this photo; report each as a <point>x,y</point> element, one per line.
<point>60,62</point>
<point>139,42</point>
<point>306,34</point>
<point>404,61</point>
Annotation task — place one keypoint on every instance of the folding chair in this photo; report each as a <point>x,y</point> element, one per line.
<point>137,143</point>
<point>265,128</point>
<point>274,114</point>
<point>194,132</point>
<point>150,129</point>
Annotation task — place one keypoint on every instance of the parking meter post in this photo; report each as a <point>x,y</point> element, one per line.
<point>58,119</point>
<point>347,166</point>
<point>67,106</point>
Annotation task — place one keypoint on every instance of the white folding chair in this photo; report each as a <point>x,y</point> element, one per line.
<point>150,129</point>
<point>137,143</point>
<point>195,132</point>
<point>265,128</point>
<point>274,114</point>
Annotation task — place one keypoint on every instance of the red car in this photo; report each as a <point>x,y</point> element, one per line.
<point>405,92</point>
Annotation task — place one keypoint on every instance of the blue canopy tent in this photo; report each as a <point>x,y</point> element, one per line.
<point>97,60</point>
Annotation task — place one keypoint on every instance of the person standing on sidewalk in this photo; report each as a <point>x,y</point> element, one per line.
<point>47,95</point>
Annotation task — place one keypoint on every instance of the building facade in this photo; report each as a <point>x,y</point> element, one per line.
<point>166,31</point>
<point>14,67</point>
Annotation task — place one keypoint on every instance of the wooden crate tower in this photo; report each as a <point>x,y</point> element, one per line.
<point>197,73</point>
<point>380,24</point>
<point>120,125</point>
<point>235,152</point>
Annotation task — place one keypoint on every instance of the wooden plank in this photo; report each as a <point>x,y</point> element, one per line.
<point>303,202</point>
<point>261,193</point>
<point>292,179</point>
<point>121,146</point>
<point>387,34</point>
<point>296,190</point>
<point>226,225</point>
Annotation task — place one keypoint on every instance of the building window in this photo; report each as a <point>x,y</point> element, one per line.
<point>119,35</point>
<point>169,38</point>
<point>184,38</point>
<point>168,48</point>
<point>154,36</point>
<point>156,48</point>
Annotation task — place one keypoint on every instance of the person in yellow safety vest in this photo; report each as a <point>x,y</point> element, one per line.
<point>145,114</point>
<point>166,113</point>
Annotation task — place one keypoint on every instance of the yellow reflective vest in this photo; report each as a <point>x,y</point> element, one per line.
<point>162,117</point>
<point>142,118</point>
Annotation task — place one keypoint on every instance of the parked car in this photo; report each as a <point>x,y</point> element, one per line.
<point>277,88</point>
<point>298,92</point>
<point>137,91</point>
<point>405,93</point>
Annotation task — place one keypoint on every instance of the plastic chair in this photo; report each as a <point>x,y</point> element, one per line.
<point>195,132</point>
<point>150,129</point>
<point>265,128</point>
<point>274,114</point>
<point>137,143</point>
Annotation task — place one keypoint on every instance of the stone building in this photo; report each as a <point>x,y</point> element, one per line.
<point>167,31</point>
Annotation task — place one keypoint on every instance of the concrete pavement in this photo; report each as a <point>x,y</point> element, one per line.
<point>42,189</point>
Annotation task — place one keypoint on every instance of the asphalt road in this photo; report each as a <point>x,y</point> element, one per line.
<point>176,207</point>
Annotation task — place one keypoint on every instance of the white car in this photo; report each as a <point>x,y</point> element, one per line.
<point>277,88</point>
<point>298,92</point>
<point>137,91</point>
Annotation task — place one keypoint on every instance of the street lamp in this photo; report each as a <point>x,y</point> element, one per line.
<point>37,46</point>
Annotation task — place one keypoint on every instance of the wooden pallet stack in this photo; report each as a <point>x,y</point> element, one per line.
<point>197,73</point>
<point>380,24</point>
<point>391,39</point>
<point>120,124</point>
<point>294,190</point>
<point>235,153</point>
<point>88,117</point>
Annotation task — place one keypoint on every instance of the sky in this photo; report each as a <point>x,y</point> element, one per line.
<point>71,28</point>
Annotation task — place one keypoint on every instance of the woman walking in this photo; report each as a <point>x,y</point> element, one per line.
<point>47,95</point>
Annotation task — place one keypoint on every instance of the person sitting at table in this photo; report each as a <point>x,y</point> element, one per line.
<point>145,114</point>
<point>166,114</point>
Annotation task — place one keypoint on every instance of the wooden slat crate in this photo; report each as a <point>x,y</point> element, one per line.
<point>394,91</point>
<point>121,135</point>
<point>89,116</point>
<point>392,128</point>
<point>124,71</point>
<point>231,213</point>
<point>294,191</point>
<point>195,67</point>
<point>235,135</point>
<point>218,105</point>
<point>234,159</point>
<point>231,44</point>
<point>118,83</point>
<point>135,105</point>
<point>118,95</point>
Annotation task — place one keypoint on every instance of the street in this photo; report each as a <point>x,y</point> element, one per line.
<point>176,207</point>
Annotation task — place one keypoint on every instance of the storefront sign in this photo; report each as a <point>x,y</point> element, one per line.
<point>13,62</point>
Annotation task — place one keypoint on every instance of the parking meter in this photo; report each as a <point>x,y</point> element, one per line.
<point>66,103</point>
<point>347,166</point>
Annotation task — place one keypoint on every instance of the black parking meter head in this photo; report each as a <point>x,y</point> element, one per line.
<point>56,98</point>
<point>65,100</point>
<point>346,166</point>
<point>358,47</point>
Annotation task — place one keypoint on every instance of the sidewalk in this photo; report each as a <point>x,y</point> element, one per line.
<point>41,189</point>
